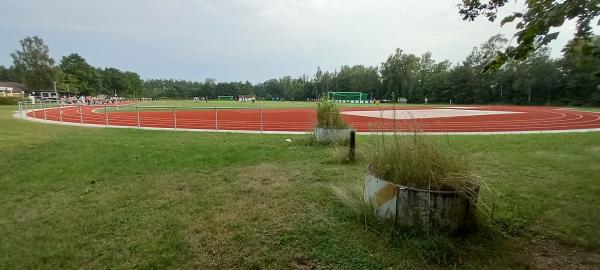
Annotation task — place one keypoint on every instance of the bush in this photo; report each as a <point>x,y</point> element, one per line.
<point>10,100</point>
<point>328,115</point>
<point>417,161</point>
<point>595,99</point>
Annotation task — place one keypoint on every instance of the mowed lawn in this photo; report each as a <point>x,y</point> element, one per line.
<point>188,104</point>
<point>95,198</point>
<point>263,104</point>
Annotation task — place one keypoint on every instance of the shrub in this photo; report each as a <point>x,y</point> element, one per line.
<point>417,161</point>
<point>328,115</point>
<point>595,99</point>
<point>10,100</point>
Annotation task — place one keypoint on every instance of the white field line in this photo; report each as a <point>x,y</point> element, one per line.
<point>427,113</point>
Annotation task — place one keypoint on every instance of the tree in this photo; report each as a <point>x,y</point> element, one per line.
<point>134,83</point>
<point>83,77</point>
<point>114,82</point>
<point>535,24</point>
<point>482,86</point>
<point>536,78</point>
<point>578,80</point>
<point>400,74</point>
<point>67,82</point>
<point>33,65</point>
<point>7,74</point>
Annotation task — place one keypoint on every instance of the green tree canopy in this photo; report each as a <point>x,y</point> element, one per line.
<point>33,65</point>
<point>82,76</point>
<point>7,74</point>
<point>535,24</point>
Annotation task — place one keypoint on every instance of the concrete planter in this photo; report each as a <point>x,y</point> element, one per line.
<point>420,209</point>
<point>332,135</point>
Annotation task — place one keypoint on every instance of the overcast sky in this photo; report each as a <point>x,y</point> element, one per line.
<point>244,39</point>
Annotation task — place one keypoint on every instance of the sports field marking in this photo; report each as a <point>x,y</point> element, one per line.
<point>420,114</point>
<point>461,107</point>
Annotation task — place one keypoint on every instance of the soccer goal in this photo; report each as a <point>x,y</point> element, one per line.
<point>348,97</point>
<point>221,98</point>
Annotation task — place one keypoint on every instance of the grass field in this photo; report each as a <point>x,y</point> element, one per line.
<point>257,104</point>
<point>589,109</point>
<point>95,198</point>
<point>191,105</point>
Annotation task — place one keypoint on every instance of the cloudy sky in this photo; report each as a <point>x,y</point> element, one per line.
<point>244,39</point>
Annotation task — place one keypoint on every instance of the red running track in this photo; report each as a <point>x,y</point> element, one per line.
<point>299,120</point>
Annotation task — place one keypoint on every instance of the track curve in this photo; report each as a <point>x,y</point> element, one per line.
<point>518,119</point>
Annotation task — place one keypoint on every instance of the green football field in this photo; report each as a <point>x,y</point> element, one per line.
<point>97,198</point>
<point>194,105</point>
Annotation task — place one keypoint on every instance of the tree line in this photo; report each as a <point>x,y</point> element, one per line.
<point>34,68</point>
<point>538,79</point>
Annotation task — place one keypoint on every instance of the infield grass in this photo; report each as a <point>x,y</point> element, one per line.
<point>166,105</point>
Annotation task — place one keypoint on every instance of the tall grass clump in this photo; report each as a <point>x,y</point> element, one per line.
<point>341,153</point>
<point>418,161</point>
<point>328,115</point>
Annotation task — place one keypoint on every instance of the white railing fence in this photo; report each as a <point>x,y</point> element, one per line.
<point>167,117</point>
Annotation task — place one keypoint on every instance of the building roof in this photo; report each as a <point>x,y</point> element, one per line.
<point>14,85</point>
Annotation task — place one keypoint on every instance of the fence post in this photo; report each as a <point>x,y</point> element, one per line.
<point>174,119</point>
<point>60,113</point>
<point>105,116</point>
<point>352,154</point>
<point>44,110</point>
<point>33,109</point>
<point>261,120</point>
<point>25,104</point>
<point>216,119</point>
<point>80,116</point>
<point>137,112</point>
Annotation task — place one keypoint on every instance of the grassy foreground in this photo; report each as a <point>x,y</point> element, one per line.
<point>94,198</point>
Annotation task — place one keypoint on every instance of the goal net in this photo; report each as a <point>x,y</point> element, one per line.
<point>348,97</point>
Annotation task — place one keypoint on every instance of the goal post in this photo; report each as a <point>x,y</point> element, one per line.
<point>348,97</point>
<point>221,98</point>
